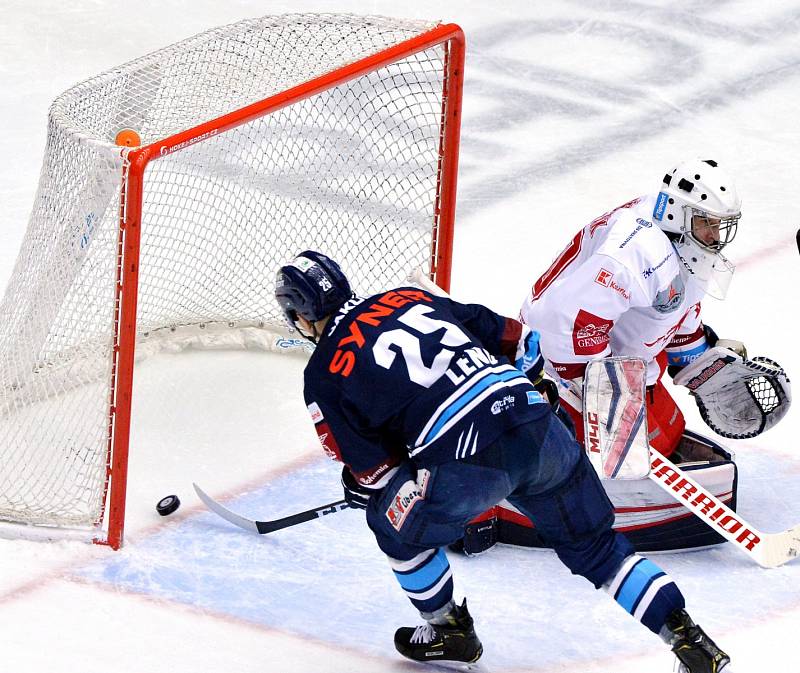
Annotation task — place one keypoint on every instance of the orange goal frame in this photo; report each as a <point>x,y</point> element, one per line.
<point>130,216</point>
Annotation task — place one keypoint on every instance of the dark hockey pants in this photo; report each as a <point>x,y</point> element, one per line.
<point>539,468</point>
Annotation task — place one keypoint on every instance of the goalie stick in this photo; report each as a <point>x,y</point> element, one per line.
<point>769,550</point>
<point>264,527</point>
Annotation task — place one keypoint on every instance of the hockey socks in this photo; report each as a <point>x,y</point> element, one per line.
<point>427,579</point>
<point>645,591</point>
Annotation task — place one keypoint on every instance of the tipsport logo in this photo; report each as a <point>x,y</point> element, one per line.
<point>661,206</point>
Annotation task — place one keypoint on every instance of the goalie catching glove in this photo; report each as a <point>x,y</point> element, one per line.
<point>737,398</point>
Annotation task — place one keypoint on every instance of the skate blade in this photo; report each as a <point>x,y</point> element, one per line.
<point>475,667</point>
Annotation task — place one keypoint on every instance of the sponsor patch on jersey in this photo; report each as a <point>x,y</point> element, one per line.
<point>621,290</point>
<point>324,433</point>
<point>606,279</point>
<point>316,413</point>
<point>640,224</point>
<point>603,277</point>
<point>408,495</point>
<point>590,333</point>
<point>650,270</point>
<point>660,207</point>
<point>535,397</point>
<point>670,299</point>
<point>328,441</point>
<point>499,406</point>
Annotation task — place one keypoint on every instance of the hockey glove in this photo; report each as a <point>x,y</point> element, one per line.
<point>549,389</point>
<point>529,359</point>
<point>356,495</point>
<point>737,398</point>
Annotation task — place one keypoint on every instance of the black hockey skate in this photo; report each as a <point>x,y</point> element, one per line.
<point>694,649</point>
<point>454,642</point>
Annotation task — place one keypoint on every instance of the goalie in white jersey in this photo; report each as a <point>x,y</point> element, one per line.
<point>631,283</point>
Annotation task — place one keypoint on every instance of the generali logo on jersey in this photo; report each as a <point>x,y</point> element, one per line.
<point>590,333</point>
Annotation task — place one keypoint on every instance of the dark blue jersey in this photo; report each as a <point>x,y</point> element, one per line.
<point>407,373</point>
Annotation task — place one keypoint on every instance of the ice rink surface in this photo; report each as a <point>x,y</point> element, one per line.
<point>570,109</point>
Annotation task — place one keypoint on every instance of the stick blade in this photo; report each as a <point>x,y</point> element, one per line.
<point>224,512</point>
<point>780,548</point>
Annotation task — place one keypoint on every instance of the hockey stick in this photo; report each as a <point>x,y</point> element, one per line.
<point>769,550</point>
<point>264,527</point>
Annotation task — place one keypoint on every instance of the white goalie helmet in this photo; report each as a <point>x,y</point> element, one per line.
<point>699,208</point>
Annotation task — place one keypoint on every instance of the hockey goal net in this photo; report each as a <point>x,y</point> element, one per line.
<point>258,140</point>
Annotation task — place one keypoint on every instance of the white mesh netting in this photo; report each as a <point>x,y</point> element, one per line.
<point>352,171</point>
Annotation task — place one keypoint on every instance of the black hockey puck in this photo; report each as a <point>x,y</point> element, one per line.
<point>168,505</point>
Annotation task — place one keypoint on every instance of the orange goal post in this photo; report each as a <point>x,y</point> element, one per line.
<point>241,146</point>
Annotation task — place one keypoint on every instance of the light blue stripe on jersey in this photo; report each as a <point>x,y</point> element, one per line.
<point>470,394</point>
<point>683,358</point>
<point>425,575</point>
<point>636,584</point>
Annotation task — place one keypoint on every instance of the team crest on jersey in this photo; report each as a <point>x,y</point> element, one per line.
<point>670,299</point>
<point>590,333</point>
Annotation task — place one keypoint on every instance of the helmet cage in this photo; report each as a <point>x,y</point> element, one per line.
<point>708,231</point>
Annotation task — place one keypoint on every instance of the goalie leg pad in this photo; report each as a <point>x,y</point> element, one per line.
<point>648,517</point>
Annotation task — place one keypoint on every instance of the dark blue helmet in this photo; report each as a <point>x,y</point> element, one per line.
<point>312,286</point>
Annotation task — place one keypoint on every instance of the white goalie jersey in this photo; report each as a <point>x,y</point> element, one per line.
<point>617,289</point>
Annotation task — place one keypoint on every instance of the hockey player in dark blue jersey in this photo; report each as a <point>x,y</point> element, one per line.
<point>430,406</point>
